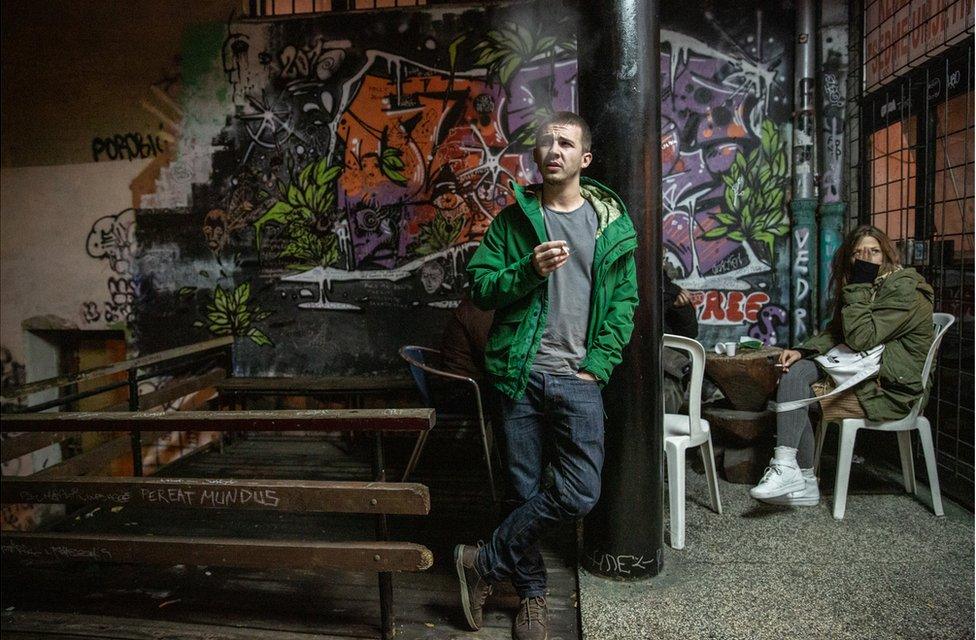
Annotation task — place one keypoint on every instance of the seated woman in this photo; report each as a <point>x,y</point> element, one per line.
<point>876,301</point>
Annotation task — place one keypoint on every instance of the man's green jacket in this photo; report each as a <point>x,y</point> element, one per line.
<point>896,311</point>
<point>503,279</point>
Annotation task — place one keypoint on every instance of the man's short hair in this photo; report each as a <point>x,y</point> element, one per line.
<point>568,118</point>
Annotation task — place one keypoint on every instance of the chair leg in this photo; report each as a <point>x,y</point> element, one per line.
<point>708,461</point>
<point>415,455</point>
<point>491,476</point>
<point>928,449</point>
<point>821,433</point>
<point>907,463</point>
<point>845,453</point>
<point>493,443</point>
<point>676,493</point>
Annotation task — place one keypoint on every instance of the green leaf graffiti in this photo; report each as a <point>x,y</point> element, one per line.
<point>230,314</point>
<point>391,164</point>
<point>310,250</point>
<point>306,209</point>
<point>755,185</point>
<point>506,49</point>
<point>438,234</point>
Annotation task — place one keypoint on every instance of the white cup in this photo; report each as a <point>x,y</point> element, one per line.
<point>726,348</point>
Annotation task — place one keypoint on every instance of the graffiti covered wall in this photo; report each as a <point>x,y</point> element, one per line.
<point>334,174</point>
<point>76,77</point>
<point>315,185</point>
<point>725,113</point>
<point>86,118</point>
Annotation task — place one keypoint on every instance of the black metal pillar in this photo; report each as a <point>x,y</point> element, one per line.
<point>619,82</point>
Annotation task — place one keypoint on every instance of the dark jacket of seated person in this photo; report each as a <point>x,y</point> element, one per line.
<point>679,319</point>
<point>463,353</point>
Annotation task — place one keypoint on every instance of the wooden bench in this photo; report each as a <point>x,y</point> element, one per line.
<point>235,392</point>
<point>371,420</point>
<point>379,498</point>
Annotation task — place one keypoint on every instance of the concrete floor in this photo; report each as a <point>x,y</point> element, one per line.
<point>890,569</point>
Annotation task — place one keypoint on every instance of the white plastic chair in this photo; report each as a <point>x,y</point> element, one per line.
<point>903,427</point>
<point>684,431</point>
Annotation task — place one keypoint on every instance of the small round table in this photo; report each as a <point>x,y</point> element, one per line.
<point>748,380</point>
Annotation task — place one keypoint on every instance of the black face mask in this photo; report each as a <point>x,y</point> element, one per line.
<point>864,272</point>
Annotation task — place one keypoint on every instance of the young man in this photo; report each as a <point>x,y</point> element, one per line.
<point>558,269</point>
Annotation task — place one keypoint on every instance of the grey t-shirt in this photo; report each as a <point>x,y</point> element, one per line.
<point>563,344</point>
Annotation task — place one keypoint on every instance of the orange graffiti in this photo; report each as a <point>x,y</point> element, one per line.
<point>451,153</point>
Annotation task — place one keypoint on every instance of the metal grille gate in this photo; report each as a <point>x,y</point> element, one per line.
<point>916,184</point>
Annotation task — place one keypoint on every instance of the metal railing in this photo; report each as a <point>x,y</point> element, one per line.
<point>263,9</point>
<point>194,358</point>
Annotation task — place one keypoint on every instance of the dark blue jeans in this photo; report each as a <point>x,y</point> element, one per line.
<point>563,416</point>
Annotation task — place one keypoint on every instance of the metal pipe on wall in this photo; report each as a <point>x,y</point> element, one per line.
<point>619,81</point>
<point>833,104</point>
<point>804,202</point>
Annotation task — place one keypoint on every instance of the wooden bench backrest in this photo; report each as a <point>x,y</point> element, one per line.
<point>225,552</point>
<point>390,498</point>
<point>379,498</point>
<point>414,420</point>
<point>301,386</point>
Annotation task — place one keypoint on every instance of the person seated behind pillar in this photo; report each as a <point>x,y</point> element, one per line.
<point>876,301</point>
<point>463,353</point>
<point>679,319</point>
<point>464,338</point>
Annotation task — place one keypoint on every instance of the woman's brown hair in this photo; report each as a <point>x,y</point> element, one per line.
<point>842,265</point>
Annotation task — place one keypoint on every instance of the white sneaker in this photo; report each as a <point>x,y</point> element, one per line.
<point>809,496</point>
<point>781,477</point>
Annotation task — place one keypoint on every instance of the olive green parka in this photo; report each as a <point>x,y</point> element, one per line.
<point>896,311</point>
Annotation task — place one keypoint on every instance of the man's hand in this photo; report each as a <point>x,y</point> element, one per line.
<point>586,375</point>
<point>683,299</point>
<point>788,357</point>
<point>549,256</point>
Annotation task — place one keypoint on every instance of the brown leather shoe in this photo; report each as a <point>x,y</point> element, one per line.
<point>532,621</point>
<point>474,589</point>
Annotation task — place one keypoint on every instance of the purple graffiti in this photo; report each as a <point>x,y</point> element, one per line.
<point>706,119</point>
<point>539,86</point>
<point>771,317</point>
<point>713,107</point>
